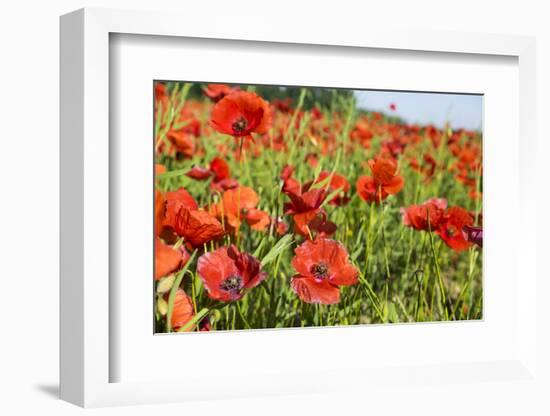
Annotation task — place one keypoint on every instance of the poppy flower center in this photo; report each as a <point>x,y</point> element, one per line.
<point>240,125</point>
<point>231,284</point>
<point>320,271</point>
<point>451,231</point>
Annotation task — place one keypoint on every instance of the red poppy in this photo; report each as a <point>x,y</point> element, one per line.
<point>159,169</point>
<point>384,181</point>
<point>227,273</point>
<point>312,160</point>
<point>452,224</point>
<point>283,105</point>
<point>220,169</point>
<point>257,219</point>
<point>281,227</point>
<point>306,211</point>
<point>182,141</point>
<point>217,91</point>
<point>289,183</point>
<point>362,133</point>
<point>183,311</point>
<point>337,182</point>
<point>168,259</point>
<point>224,184</point>
<point>416,216</point>
<point>196,227</point>
<point>393,107</point>
<point>198,173</point>
<point>434,134</point>
<point>316,113</point>
<point>160,91</point>
<point>237,202</point>
<point>322,265</point>
<point>160,209</point>
<point>240,114</point>
<point>240,204</point>
<point>222,180</point>
<point>304,202</point>
<point>427,168</point>
<point>368,190</point>
<point>286,172</point>
<point>174,201</point>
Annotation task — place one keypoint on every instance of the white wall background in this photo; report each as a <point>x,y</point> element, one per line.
<point>29,178</point>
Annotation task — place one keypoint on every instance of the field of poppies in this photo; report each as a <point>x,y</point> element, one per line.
<point>292,207</point>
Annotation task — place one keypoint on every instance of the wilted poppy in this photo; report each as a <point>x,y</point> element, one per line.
<point>474,234</point>
<point>426,216</point>
<point>227,273</point>
<point>168,259</point>
<point>452,224</point>
<point>384,181</point>
<point>322,265</point>
<point>240,114</point>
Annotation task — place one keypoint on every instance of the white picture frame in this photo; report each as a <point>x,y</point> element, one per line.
<point>86,355</point>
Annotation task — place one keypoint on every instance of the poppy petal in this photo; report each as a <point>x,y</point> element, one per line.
<point>183,311</point>
<point>312,291</point>
<point>167,260</point>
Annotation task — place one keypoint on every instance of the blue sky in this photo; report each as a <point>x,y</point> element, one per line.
<point>460,110</point>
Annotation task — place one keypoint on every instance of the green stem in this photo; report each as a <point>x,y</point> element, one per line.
<point>443,296</point>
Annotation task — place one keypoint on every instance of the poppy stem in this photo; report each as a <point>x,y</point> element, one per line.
<point>443,296</point>
<point>195,320</point>
<point>194,295</point>
<point>368,246</point>
<point>243,161</point>
<point>319,315</point>
<point>383,229</point>
<point>472,260</point>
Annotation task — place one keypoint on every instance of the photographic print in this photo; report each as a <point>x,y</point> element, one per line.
<point>290,207</point>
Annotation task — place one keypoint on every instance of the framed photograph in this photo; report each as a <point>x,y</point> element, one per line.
<point>248,215</point>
